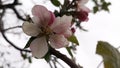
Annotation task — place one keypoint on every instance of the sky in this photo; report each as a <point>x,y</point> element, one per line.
<point>101,26</point>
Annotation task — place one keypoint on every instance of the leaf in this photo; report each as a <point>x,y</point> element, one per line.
<point>55,3</point>
<point>73,39</point>
<point>105,6</point>
<point>69,51</point>
<point>95,9</point>
<point>28,43</point>
<point>111,55</point>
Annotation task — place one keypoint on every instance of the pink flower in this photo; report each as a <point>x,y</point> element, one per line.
<point>46,25</point>
<point>83,11</point>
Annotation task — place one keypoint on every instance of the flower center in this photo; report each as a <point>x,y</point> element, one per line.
<point>45,31</point>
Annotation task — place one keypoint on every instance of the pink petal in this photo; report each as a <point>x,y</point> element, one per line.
<point>52,18</point>
<point>43,14</point>
<point>61,24</point>
<point>36,20</point>
<point>84,8</point>
<point>30,29</point>
<point>58,41</point>
<point>82,2</point>
<point>67,33</point>
<point>39,47</point>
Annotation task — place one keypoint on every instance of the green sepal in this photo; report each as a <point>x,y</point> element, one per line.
<point>28,43</point>
<point>69,51</point>
<point>73,39</point>
<point>47,57</point>
<point>55,3</point>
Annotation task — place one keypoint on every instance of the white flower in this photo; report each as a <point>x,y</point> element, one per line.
<point>81,6</point>
<point>46,25</point>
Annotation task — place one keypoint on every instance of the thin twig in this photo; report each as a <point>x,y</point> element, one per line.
<point>12,28</point>
<point>100,64</point>
<point>3,34</point>
<point>64,58</point>
<point>50,65</point>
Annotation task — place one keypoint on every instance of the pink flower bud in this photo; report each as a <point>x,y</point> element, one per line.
<point>73,30</point>
<point>82,15</point>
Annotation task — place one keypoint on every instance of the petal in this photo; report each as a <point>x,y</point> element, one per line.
<point>61,24</point>
<point>82,2</point>
<point>67,19</point>
<point>30,29</point>
<point>39,10</point>
<point>43,14</point>
<point>52,18</point>
<point>36,20</point>
<point>39,47</point>
<point>67,33</point>
<point>58,41</point>
<point>84,8</point>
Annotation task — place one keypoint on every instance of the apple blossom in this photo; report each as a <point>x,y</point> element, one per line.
<point>48,30</point>
<point>83,11</point>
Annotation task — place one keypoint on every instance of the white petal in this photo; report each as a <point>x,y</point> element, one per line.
<point>58,41</point>
<point>67,19</point>
<point>82,2</point>
<point>39,47</point>
<point>61,24</point>
<point>36,20</point>
<point>67,33</point>
<point>84,8</point>
<point>30,29</point>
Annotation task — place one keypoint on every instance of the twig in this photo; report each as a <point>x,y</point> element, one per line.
<point>100,64</point>
<point>12,28</point>
<point>12,6</point>
<point>64,58</point>
<point>3,34</point>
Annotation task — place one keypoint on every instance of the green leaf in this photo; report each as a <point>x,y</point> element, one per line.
<point>102,0</point>
<point>28,43</point>
<point>55,3</point>
<point>105,6</point>
<point>95,9</point>
<point>69,51</point>
<point>111,55</point>
<point>73,39</point>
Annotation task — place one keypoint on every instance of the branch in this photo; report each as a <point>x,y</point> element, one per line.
<point>17,14</point>
<point>12,28</point>
<point>4,36</point>
<point>64,58</point>
<point>12,6</point>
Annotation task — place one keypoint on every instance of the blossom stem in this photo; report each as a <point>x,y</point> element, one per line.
<point>64,58</point>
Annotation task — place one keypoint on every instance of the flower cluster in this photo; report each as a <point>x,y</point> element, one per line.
<point>51,31</point>
<point>47,29</point>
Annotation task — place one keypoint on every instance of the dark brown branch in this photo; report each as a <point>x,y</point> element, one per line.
<point>3,34</point>
<point>2,6</point>
<point>12,28</point>
<point>17,14</point>
<point>12,6</point>
<point>64,58</point>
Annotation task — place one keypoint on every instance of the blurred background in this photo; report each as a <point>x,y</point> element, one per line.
<point>103,24</point>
